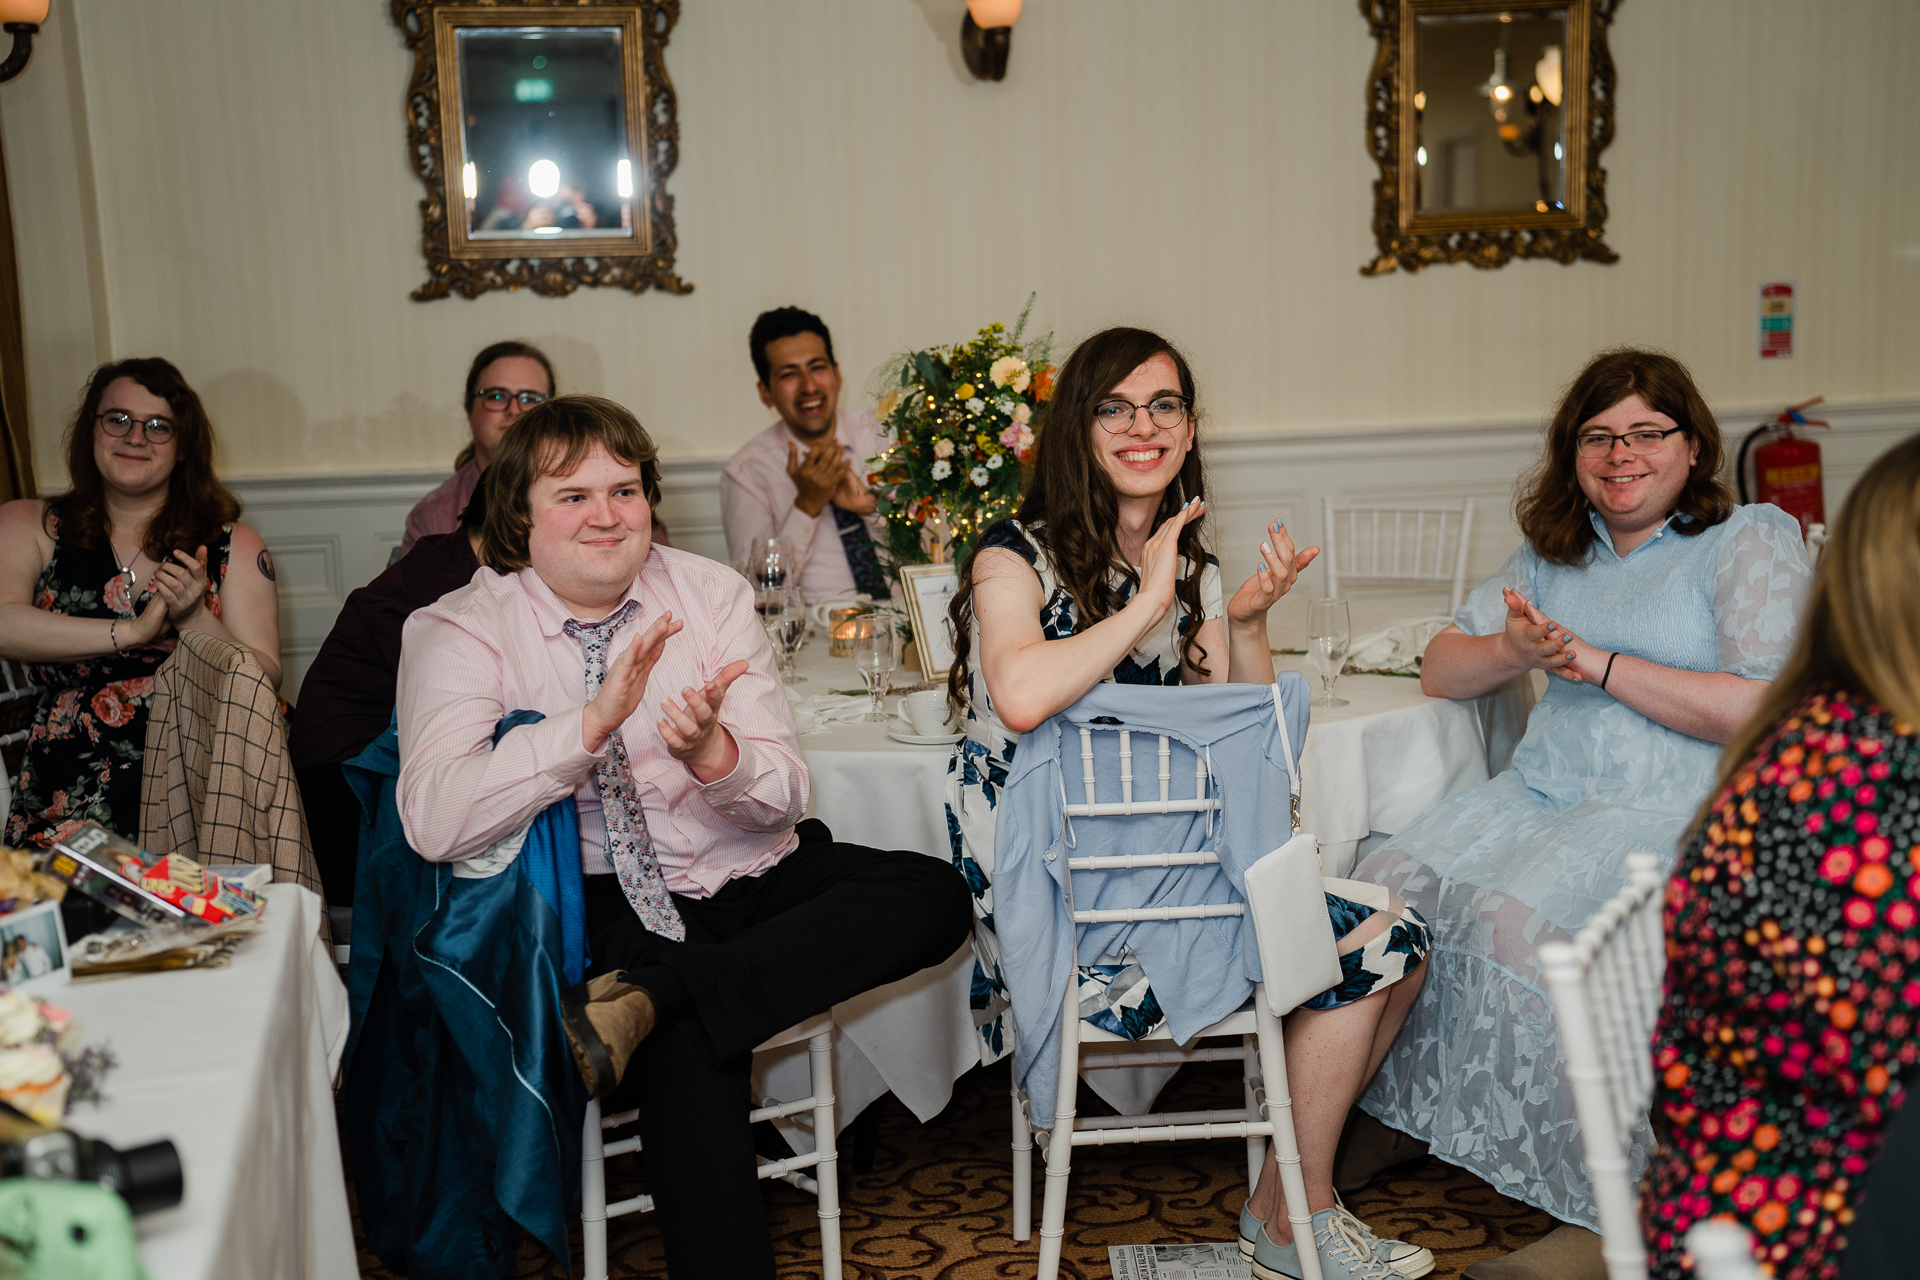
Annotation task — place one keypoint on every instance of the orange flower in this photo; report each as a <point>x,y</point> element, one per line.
<point>1725,1181</point>
<point>1676,1075</point>
<point>1766,1137</point>
<point>1876,1079</point>
<point>1800,792</point>
<point>1874,879</point>
<point>1770,1218</point>
<point>1043,384</point>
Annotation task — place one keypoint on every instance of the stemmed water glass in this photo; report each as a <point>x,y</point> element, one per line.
<point>771,563</point>
<point>872,645</point>
<point>783,612</point>
<point>1329,635</point>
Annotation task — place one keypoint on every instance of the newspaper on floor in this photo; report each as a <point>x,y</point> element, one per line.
<point>1178,1262</point>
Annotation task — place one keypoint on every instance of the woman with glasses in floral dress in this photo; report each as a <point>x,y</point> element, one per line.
<point>97,584</point>
<point>1661,612</point>
<point>1104,575</point>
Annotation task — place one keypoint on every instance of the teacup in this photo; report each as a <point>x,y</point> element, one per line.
<point>926,711</point>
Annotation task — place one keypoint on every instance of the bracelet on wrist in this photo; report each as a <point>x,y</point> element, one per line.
<point>113,636</point>
<point>1609,672</point>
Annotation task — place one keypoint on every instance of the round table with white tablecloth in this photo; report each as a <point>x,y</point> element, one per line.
<point>1367,769</point>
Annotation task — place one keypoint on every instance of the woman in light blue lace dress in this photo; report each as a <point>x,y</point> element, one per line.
<point>1661,610</point>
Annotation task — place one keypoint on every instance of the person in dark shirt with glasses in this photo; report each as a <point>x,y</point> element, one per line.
<point>503,382</point>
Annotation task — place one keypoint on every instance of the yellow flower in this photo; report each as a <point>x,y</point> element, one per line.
<point>887,404</point>
<point>963,392</point>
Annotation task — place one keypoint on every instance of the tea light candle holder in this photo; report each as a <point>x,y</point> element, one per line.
<point>840,629</point>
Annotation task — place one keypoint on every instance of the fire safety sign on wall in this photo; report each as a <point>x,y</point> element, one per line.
<point>1776,320</point>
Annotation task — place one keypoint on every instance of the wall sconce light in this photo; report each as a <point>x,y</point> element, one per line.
<point>986,34</point>
<point>21,19</point>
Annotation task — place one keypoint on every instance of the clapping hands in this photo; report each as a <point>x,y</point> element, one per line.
<point>1280,567</point>
<point>1536,641</point>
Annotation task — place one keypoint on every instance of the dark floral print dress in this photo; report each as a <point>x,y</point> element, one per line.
<point>82,761</point>
<point>1786,1044</point>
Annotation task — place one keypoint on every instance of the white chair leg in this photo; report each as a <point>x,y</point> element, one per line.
<point>1249,1073</point>
<point>593,1197</point>
<point>1286,1148</point>
<point>1053,1213</point>
<point>1022,1168</point>
<point>825,1141</point>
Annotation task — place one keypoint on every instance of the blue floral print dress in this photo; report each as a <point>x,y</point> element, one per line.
<point>1116,997</point>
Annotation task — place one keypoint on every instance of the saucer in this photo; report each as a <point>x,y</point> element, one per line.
<point>921,740</point>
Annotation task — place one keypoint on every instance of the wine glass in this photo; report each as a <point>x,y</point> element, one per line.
<point>873,658</point>
<point>1329,634</point>
<point>771,563</point>
<point>783,612</point>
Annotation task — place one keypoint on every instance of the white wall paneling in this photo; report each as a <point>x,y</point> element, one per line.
<point>332,534</point>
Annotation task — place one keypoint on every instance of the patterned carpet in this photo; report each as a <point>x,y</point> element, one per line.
<point>936,1206</point>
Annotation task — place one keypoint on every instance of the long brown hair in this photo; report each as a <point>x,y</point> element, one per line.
<point>1861,632</point>
<point>551,439</point>
<point>499,351</point>
<point>197,504</point>
<point>1071,509</point>
<point>1552,510</point>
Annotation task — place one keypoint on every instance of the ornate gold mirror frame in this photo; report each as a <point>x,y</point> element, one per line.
<point>1410,238</point>
<point>637,253</point>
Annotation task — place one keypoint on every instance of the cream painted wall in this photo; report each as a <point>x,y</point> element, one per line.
<point>225,182</point>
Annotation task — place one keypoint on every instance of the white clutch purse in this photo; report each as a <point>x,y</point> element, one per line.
<point>1286,898</point>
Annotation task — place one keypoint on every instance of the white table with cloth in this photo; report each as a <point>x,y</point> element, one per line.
<point>1367,768</point>
<point>236,1066</point>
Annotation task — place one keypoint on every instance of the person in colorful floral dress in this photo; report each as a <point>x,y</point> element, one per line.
<point>97,584</point>
<point>1786,1042</point>
<point>1104,576</point>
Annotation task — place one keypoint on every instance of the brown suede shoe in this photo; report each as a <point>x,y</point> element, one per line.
<point>1368,1149</point>
<point>605,1018</point>
<point>1565,1253</point>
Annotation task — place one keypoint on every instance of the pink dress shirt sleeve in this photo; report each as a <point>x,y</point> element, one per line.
<point>450,690</point>
<point>769,788</point>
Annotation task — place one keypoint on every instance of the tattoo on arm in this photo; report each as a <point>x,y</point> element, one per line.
<point>265,562</point>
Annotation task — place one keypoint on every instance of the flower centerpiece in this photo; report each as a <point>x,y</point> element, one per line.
<point>42,1068</point>
<point>963,424</point>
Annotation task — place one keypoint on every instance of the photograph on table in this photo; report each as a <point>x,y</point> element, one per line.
<point>33,949</point>
<point>929,590</point>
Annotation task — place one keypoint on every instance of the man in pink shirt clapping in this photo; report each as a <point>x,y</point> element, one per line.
<point>715,916</point>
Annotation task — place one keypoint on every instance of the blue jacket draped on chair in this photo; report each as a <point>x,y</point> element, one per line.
<point>462,1103</point>
<point>1201,970</point>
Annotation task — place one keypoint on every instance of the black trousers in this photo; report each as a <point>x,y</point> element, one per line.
<point>333,823</point>
<point>826,923</point>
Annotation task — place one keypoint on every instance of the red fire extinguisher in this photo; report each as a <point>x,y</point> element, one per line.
<point>1786,468</point>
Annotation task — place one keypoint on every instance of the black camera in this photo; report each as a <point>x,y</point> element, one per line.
<point>148,1177</point>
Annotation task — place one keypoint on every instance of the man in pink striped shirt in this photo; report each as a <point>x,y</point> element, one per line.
<point>715,916</point>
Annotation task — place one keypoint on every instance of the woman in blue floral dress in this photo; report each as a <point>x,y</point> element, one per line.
<point>1103,576</point>
<point>1661,611</point>
<point>95,586</point>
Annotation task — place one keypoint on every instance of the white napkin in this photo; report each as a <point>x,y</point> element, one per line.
<point>1395,647</point>
<point>822,711</point>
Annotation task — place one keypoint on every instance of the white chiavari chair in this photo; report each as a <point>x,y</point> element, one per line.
<point>824,1159</point>
<point>1721,1251</point>
<point>1268,1110</point>
<point>17,688</point>
<point>1606,995</point>
<point>1397,546</point>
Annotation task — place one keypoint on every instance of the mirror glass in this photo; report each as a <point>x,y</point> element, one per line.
<point>544,117</point>
<point>1491,132</point>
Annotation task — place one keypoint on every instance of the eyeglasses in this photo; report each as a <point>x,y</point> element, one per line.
<point>496,398</point>
<point>119,423</point>
<point>1598,444</point>
<point>1165,412</point>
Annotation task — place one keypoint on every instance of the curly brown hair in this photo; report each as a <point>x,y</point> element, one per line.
<point>197,504</point>
<point>1072,510</point>
<point>551,439</point>
<point>1551,508</point>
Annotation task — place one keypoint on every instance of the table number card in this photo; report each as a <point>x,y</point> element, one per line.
<point>929,590</point>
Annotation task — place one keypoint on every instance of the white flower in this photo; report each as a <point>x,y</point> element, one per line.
<point>1005,405</point>
<point>942,469</point>
<point>19,1019</point>
<point>943,448</point>
<point>976,405</point>
<point>979,476</point>
<point>1009,370</point>
<point>993,463</point>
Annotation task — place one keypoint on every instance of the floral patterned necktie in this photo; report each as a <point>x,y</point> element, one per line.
<point>629,844</point>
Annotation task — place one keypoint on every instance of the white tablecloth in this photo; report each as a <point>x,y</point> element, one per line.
<point>236,1066</point>
<point>1367,768</point>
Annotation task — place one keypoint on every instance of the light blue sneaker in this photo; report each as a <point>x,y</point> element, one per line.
<point>1348,1251</point>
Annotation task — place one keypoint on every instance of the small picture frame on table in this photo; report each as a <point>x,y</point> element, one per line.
<point>33,949</point>
<point>929,590</point>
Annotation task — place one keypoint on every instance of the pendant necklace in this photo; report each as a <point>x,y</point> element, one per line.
<point>126,570</point>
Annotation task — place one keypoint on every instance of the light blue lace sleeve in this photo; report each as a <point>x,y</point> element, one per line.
<point>1761,577</point>
<point>1485,612</point>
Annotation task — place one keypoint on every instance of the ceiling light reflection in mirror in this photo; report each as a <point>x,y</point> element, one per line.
<point>1491,131</point>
